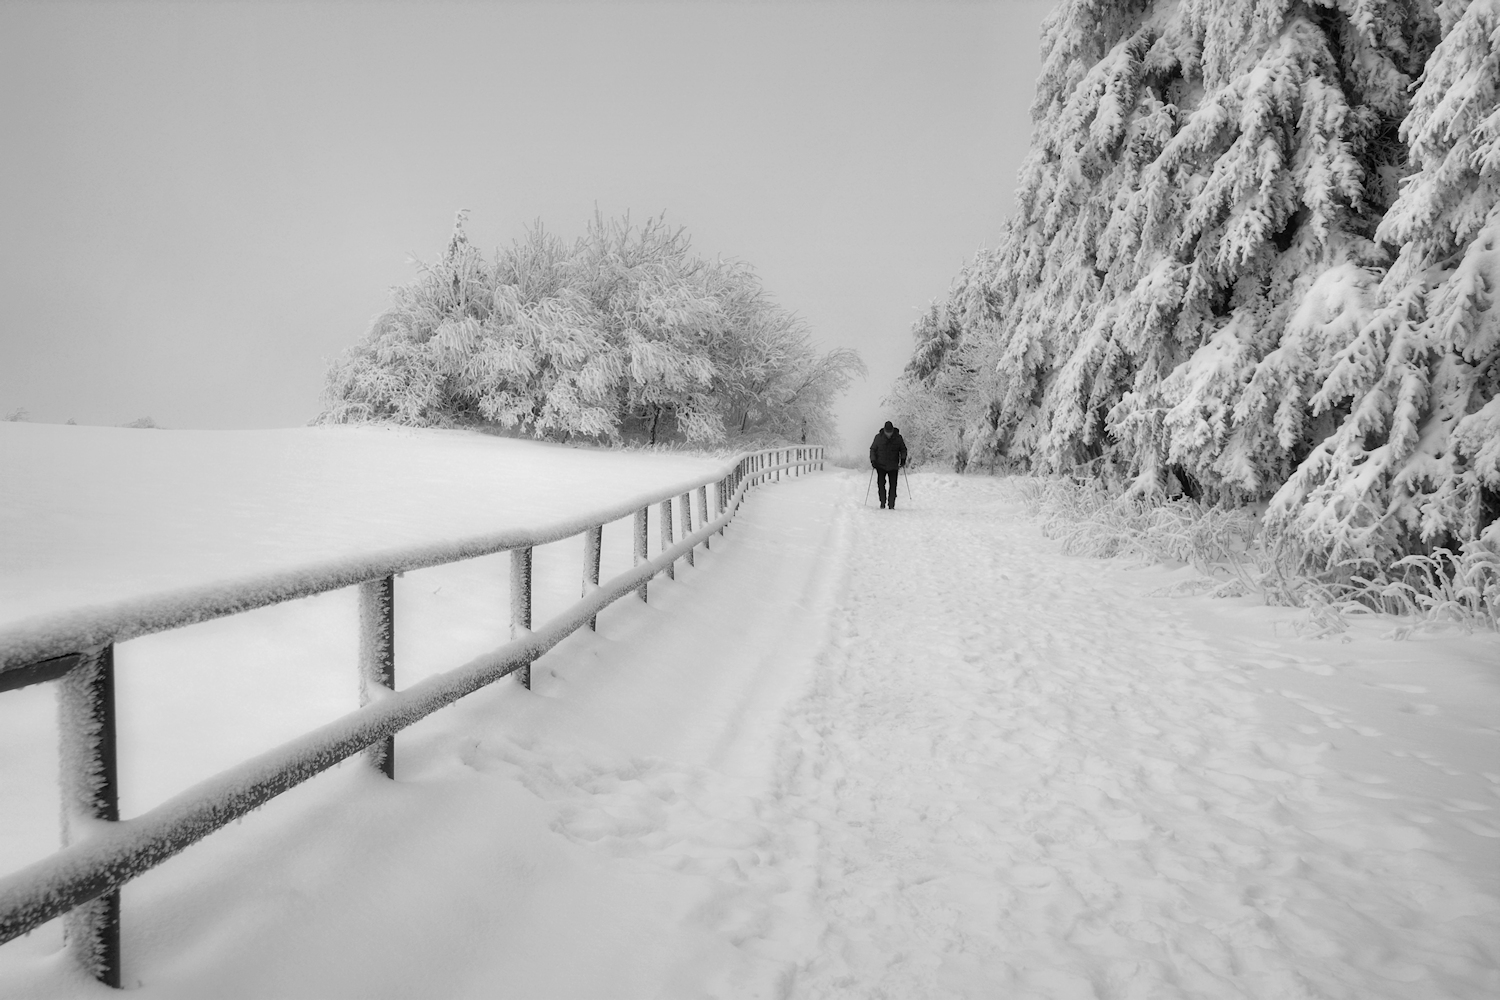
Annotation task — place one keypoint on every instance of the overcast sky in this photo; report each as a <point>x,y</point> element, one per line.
<point>202,203</point>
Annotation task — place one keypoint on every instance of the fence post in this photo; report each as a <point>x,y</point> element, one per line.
<point>377,658</point>
<point>685,504</point>
<point>703,517</point>
<point>666,536</point>
<point>640,545</point>
<point>593,540</point>
<point>724,499</point>
<point>90,793</point>
<point>520,604</point>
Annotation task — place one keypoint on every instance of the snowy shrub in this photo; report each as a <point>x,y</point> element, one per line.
<point>1089,520</point>
<point>624,334</point>
<point>1236,553</point>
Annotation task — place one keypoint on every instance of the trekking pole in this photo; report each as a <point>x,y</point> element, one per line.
<point>911,494</point>
<point>867,487</point>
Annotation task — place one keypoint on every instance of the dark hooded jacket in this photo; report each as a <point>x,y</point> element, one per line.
<point>887,452</point>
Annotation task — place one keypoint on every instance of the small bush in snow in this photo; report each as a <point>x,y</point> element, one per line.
<point>1237,552</point>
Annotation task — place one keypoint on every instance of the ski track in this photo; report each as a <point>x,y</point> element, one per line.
<point>1027,784</point>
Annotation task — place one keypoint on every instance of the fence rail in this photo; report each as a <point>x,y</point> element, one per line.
<point>81,881</point>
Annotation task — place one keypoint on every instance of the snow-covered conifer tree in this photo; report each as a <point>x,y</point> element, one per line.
<point>1415,463</point>
<point>1196,166</point>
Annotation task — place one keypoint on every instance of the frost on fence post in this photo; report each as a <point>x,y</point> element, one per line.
<point>723,496</point>
<point>703,517</point>
<point>593,540</point>
<point>641,517</point>
<point>666,536</point>
<point>520,604</point>
<point>90,794</point>
<point>685,506</point>
<point>377,658</point>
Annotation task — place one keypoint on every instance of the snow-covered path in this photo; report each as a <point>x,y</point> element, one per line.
<point>857,753</point>
<point>1031,782</point>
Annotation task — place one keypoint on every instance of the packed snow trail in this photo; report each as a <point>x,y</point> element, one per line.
<point>1030,784</point>
<point>859,753</point>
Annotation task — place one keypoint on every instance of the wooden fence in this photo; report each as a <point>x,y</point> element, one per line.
<point>81,881</point>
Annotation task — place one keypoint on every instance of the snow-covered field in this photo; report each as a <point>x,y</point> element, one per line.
<point>853,753</point>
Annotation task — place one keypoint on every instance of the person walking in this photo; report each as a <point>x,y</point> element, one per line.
<point>887,456</point>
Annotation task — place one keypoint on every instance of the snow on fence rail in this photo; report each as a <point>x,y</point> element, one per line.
<point>101,852</point>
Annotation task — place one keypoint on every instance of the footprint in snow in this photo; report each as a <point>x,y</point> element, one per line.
<point>1031,876</point>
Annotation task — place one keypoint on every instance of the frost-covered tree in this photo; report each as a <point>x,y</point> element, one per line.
<point>411,368</point>
<point>931,400</point>
<point>773,381</point>
<point>626,332</point>
<point>554,369</point>
<point>1195,167</point>
<point>652,296</point>
<point>1255,251</point>
<point>1415,460</point>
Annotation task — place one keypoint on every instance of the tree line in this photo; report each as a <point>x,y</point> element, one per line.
<point>625,334</point>
<point>1254,259</point>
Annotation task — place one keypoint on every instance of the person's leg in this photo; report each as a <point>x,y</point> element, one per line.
<point>880,475</point>
<point>894,474</point>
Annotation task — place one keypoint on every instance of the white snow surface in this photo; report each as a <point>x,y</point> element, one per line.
<point>94,515</point>
<point>851,753</point>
